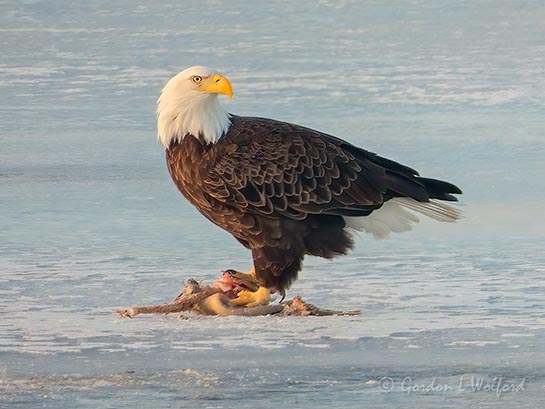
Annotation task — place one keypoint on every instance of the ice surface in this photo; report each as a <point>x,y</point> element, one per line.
<point>90,222</point>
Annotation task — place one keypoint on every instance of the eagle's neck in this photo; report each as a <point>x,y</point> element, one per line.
<point>200,115</point>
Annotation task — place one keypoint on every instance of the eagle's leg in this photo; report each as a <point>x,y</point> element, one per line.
<point>247,298</point>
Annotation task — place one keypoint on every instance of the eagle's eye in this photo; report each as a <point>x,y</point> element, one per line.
<point>196,79</point>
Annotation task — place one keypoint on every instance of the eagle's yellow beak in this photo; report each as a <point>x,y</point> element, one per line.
<point>217,84</point>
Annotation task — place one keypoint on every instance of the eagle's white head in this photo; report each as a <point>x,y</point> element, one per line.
<point>189,105</point>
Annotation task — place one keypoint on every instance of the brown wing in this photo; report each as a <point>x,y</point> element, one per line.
<point>277,169</point>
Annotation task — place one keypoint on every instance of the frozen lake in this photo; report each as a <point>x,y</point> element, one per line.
<point>452,315</point>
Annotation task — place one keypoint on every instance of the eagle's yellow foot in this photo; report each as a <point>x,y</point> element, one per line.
<point>247,298</point>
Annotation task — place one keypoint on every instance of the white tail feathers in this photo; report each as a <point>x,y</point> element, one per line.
<point>434,209</point>
<point>394,216</point>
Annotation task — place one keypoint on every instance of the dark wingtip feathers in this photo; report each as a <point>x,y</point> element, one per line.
<point>439,189</point>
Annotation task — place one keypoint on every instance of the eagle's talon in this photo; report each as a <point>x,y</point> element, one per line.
<point>244,289</point>
<point>249,299</point>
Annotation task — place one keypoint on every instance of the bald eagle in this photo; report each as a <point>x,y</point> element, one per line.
<point>282,190</point>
